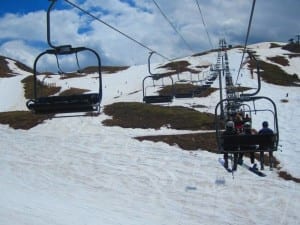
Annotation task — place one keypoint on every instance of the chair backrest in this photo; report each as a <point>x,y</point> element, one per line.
<point>234,142</point>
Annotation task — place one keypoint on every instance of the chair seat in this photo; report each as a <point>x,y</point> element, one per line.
<point>65,104</point>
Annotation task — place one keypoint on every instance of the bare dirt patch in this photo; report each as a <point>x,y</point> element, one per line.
<point>22,119</point>
<point>140,115</point>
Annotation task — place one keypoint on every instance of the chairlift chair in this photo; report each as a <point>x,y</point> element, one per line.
<point>155,77</point>
<point>265,143</point>
<point>63,104</point>
<point>147,98</point>
<point>188,86</point>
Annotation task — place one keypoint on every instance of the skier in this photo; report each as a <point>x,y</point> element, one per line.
<point>248,131</point>
<point>230,130</point>
<point>265,130</point>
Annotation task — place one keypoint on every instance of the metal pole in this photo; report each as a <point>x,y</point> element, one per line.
<point>48,23</point>
<point>298,37</point>
<point>221,93</point>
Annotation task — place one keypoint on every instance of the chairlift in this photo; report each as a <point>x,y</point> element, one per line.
<point>202,85</point>
<point>89,102</point>
<point>147,98</point>
<point>201,88</point>
<point>185,88</point>
<point>238,143</point>
<point>155,98</point>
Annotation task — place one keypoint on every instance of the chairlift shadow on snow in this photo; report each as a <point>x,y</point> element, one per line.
<point>220,181</point>
<point>190,188</point>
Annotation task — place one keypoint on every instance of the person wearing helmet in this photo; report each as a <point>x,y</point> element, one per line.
<point>230,130</point>
<point>229,125</point>
<point>238,121</point>
<point>264,130</point>
<point>248,131</point>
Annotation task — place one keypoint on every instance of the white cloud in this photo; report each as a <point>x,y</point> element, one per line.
<point>27,27</point>
<point>19,50</point>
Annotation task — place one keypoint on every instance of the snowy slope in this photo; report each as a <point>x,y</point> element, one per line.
<point>77,171</point>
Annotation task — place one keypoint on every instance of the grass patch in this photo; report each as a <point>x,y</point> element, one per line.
<point>238,88</point>
<point>275,45</point>
<point>178,67</point>
<point>47,90</point>
<point>42,90</point>
<point>203,66</point>
<point>113,69</point>
<point>5,70</point>
<point>292,47</point>
<point>140,115</point>
<point>206,92</point>
<point>293,55</point>
<point>177,88</point>
<point>105,69</point>
<point>22,119</point>
<point>73,91</point>
<point>65,76</point>
<point>24,67</point>
<point>274,74</point>
<point>198,106</point>
<point>185,88</point>
<point>189,142</point>
<point>279,60</point>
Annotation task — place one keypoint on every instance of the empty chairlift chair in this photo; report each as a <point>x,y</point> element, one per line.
<point>158,98</point>
<point>184,88</point>
<point>68,103</point>
<point>45,104</point>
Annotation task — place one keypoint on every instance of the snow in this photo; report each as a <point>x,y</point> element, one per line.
<point>12,90</point>
<point>74,170</point>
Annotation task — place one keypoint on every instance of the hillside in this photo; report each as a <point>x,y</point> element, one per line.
<point>139,163</point>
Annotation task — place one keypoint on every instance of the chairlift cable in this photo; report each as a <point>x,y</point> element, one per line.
<point>172,25</point>
<point>246,41</point>
<point>115,29</point>
<point>204,24</point>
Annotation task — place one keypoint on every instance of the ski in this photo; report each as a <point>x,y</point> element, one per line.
<point>254,170</point>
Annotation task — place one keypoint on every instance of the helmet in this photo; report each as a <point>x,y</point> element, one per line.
<point>247,125</point>
<point>265,124</point>
<point>230,125</point>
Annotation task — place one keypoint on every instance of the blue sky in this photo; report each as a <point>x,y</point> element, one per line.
<point>21,6</point>
<point>24,6</point>
<point>23,26</point>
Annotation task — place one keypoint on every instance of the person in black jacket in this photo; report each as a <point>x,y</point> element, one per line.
<point>230,130</point>
<point>248,131</point>
<point>265,130</point>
